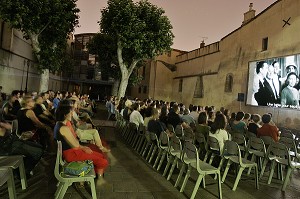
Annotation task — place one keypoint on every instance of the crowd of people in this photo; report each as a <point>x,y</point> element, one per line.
<point>44,118</point>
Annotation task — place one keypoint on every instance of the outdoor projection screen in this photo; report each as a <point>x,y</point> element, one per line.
<point>274,82</point>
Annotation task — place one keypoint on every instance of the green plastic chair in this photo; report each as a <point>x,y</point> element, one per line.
<point>175,154</point>
<point>141,137</point>
<point>189,135</point>
<point>191,158</point>
<point>6,175</point>
<point>163,147</point>
<point>241,141</point>
<point>200,138</point>
<point>213,149</point>
<point>232,153</point>
<point>179,131</point>
<point>64,181</point>
<point>282,157</point>
<point>14,162</point>
<point>153,147</point>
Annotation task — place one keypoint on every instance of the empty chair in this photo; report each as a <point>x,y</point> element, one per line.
<point>175,153</point>
<point>232,153</point>
<point>6,175</point>
<point>191,158</point>
<point>213,149</point>
<point>281,157</point>
<point>290,144</point>
<point>256,149</point>
<point>240,140</point>
<point>64,181</point>
<point>163,147</point>
<point>15,162</point>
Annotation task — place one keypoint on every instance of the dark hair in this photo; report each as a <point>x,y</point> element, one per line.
<point>15,92</point>
<point>287,78</point>
<point>219,123</point>
<point>202,119</point>
<point>239,115</point>
<point>259,65</point>
<point>63,109</point>
<point>266,118</point>
<point>274,62</point>
<point>175,107</point>
<point>195,108</point>
<point>135,106</point>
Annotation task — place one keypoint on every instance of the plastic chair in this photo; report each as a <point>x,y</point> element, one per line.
<point>179,131</point>
<point>250,134</point>
<point>175,154</point>
<point>64,181</point>
<point>213,149</point>
<point>200,138</point>
<point>141,137</point>
<point>6,175</point>
<point>282,157</point>
<point>232,153</point>
<point>170,128</point>
<point>163,147</point>
<point>241,141</point>
<point>153,147</point>
<point>189,135</point>
<point>256,149</point>
<point>290,144</point>
<point>267,140</point>
<point>15,162</point>
<point>287,134</point>
<point>191,158</point>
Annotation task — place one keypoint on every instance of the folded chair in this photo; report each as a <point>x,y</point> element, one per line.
<point>232,153</point>
<point>191,158</point>
<point>6,175</point>
<point>64,181</point>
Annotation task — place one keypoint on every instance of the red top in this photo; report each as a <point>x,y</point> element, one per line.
<point>268,130</point>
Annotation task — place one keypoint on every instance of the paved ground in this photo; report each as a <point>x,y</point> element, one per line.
<point>130,177</point>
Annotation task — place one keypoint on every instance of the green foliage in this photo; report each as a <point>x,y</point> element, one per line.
<point>141,28</point>
<point>50,20</point>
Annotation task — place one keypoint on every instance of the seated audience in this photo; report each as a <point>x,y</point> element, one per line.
<point>72,149</point>
<point>135,116</point>
<point>254,124</point>
<point>156,126</point>
<point>267,129</point>
<point>8,110</point>
<point>201,126</point>
<point>187,118</point>
<point>218,130</point>
<point>238,125</point>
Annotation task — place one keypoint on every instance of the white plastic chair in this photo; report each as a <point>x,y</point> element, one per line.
<point>191,158</point>
<point>163,147</point>
<point>15,162</point>
<point>6,175</point>
<point>64,181</point>
<point>232,153</point>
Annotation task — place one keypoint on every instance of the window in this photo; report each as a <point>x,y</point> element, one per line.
<point>180,85</point>
<point>228,83</point>
<point>265,44</point>
<point>140,89</point>
<point>198,93</point>
<point>145,89</point>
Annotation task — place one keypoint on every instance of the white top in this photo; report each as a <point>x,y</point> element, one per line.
<point>136,118</point>
<point>221,135</point>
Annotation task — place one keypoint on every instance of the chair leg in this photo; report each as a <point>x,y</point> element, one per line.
<point>287,178</point>
<point>63,190</point>
<point>256,177</point>
<point>23,175</point>
<point>211,158</point>
<point>238,177</point>
<point>187,175</point>
<point>196,186</point>
<point>93,189</point>
<point>58,190</point>
<point>168,165</point>
<point>252,160</point>
<point>11,185</point>
<point>162,159</point>
<point>219,185</point>
<point>226,171</point>
<point>149,152</point>
<point>271,172</point>
<point>147,145</point>
<point>263,168</point>
<point>153,153</point>
<point>180,175</point>
<point>172,168</point>
<point>157,158</point>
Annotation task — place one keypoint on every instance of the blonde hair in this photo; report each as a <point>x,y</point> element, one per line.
<point>25,100</point>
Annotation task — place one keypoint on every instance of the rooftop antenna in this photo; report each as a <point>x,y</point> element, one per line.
<point>202,44</point>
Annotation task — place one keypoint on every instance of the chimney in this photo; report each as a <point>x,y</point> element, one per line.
<point>202,44</point>
<point>249,15</point>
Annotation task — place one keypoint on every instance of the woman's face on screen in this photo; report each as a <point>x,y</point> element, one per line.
<point>292,80</point>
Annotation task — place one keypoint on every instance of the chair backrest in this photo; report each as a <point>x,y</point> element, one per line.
<point>257,144</point>
<point>287,134</point>
<point>239,139</point>
<point>14,128</point>
<point>176,143</point>
<point>213,144</point>
<point>200,138</point>
<point>164,139</point>
<point>267,140</point>
<point>190,151</point>
<point>170,128</point>
<point>179,131</point>
<point>193,126</point>
<point>59,161</point>
<point>289,143</point>
<point>142,129</point>
<point>133,127</point>
<point>250,134</point>
<point>280,151</point>
<point>154,138</point>
<point>189,135</point>
<point>231,148</point>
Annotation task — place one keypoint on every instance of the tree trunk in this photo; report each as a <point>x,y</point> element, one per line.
<point>123,85</point>
<point>115,87</point>
<point>44,81</point>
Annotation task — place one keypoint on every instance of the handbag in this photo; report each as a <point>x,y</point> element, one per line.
<point>78,168</point>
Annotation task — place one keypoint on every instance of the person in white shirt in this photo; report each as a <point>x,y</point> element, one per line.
<point>135,116</point>
<point>218,130</point>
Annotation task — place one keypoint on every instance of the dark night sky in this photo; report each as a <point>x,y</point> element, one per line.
<point>191,19</point>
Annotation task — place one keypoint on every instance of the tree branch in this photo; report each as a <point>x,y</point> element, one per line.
<point>44,27</point>
<point>132,66</point>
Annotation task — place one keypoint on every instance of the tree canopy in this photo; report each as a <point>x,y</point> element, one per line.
<point>140,31</point>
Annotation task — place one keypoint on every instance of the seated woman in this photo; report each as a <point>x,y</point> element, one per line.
<point>218,130</point>
<point>156,126</point>
<point>254,124</point>
<point>27,121</point>
<point>72,149</point>
<point>42,113</point>
<point>10,144</point>
<point>238,125</point>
